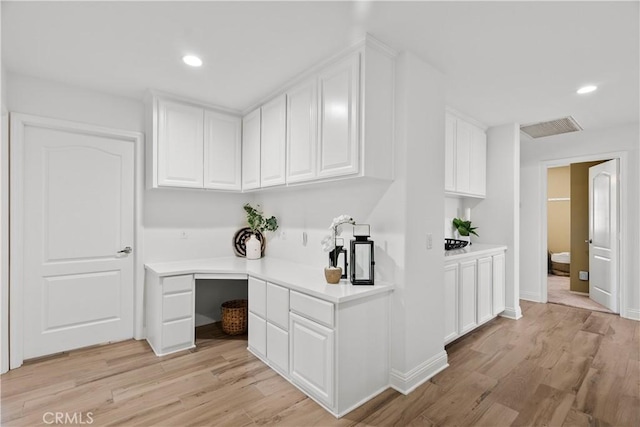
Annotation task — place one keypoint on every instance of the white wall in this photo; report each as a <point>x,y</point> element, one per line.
<point>585,145</point>
<point>498,214</point>
<point>4,226</point>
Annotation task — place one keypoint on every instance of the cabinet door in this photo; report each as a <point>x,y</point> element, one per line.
<point>258,297</point>
<point>222,151</point>
<point>339,112</point>
<point>498,283</point>
<point>450,153</point>
<point>478,172</point>
<point>273,142</point>
<point>180,145</point>
<point>278,306</point>
<point>278,348</point>
<point>484,289</point>
<point>467,296</point>
<point>257,335</point>
<point>463,156</point>
<point>311,358</point>
<point>251,150</point>
<point>450,302</point>
<point>302,132</point>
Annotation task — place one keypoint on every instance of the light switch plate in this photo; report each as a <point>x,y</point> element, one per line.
<point>583,275</point>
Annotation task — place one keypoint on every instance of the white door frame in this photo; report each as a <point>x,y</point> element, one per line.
<point>622,212</point>
<point>16,225</point>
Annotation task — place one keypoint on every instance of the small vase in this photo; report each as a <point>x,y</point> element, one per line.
<point>333,274</point>
<point>254,247</point>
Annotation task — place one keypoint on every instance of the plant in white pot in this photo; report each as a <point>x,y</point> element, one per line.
<point>333,272</point>
<point>464,229</point>
<point>258,224</point>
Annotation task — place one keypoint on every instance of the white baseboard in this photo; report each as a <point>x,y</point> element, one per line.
<point>406,382</point>
<point>632,314</point>
<point>512,313</point>
<point>530,296</point>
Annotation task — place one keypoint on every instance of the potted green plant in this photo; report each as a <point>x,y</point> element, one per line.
<point>258,224</point>
<point>464,228</point>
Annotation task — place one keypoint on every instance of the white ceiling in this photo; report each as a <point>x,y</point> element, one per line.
<point>504,61</point>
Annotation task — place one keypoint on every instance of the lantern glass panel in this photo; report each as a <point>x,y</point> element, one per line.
<point>362,262</point>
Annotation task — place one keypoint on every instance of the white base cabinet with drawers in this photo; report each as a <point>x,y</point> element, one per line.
<point>474,292</point>
<point>170,314</point>
<point>338,354</point>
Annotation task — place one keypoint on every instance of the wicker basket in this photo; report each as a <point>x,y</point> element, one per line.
<point>234,317</point>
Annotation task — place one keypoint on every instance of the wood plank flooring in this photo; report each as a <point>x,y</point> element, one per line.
<point>557,366</point>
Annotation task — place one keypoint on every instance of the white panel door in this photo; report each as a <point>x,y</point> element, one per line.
<point>251,150</point>
<point>78,215</point>
<point>311,358</point>
<point>485,281</point>
<point>180,145</point>
<point>467,296</point>
<point>278,348</point>
<point>257,332</point>
<point>278,306</point>
<point>450,302</point>
<point>339,111</point>
<point>478,162</point>
<point>302,132</point>
<point>450,153</point>
<point>603,234</point>
<point>222,151</point>
<point>499,274</point>
<point>273,142</point>
<point>463,156</point>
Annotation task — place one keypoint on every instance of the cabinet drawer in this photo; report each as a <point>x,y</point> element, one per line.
<point>176,306</point>
<point>178,334</point>
<point>177,284</point>
<point>258,297</point>
<point>312,308</point>
<point>278,306</point>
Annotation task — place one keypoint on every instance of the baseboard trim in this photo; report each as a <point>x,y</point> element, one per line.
<point>512,313</point>
<point>406,382</point>
<point>632,313</point>
<point>530,296</point>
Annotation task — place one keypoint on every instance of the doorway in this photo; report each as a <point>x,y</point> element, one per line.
<point>74,272</point>
<point>574,267</point>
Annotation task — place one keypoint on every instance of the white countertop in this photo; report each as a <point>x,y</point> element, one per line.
<point>472,251</point>
<point>308,280</point>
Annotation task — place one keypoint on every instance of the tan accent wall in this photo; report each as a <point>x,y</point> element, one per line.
<point>558,212</point>
<point>580,224</point>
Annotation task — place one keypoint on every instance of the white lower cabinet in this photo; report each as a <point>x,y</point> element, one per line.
<point>257,335</point>
<point>473,292</point>
<point>311,358</point>
<point>170,314</point>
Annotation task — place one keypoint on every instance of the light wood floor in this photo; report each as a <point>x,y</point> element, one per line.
<point>556,366</point>
<point>558,292</point>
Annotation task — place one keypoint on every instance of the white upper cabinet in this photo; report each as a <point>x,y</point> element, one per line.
<point>302,131</point>
<point>192,146</point>
<point>222,151</point>
<point>251,150</point>
<point>465,158</point>
<point>179,145</point>
<point>273,142</point>
<point>339,107</point>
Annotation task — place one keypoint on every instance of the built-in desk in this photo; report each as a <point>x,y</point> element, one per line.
<point>331,341</point>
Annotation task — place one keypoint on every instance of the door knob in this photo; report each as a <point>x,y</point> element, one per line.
<point>126,250</point>
<point>588,241</point>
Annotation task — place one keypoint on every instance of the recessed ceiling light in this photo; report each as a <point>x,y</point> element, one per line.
<point>586,89</point>
<point>192,60</point>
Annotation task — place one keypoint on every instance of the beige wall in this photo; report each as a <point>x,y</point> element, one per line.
<point>558,212</point>
<point>580,224</point>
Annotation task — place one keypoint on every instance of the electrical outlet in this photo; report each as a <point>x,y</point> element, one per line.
<point>283,235</point>
<point>583,275</point>
<point>304,238</point>
<point>184,235</point>
<point>429,241</point>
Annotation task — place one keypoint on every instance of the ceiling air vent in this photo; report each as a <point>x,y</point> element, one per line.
<point>552,127</point>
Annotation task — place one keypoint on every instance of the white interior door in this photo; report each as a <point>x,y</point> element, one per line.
<point>603,234</point>
<point>78,205</point>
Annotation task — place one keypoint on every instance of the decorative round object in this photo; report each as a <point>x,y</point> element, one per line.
<point>333,274</point>
<point>240,238</point>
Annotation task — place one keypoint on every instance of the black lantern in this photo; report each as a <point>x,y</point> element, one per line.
<point>338,256</point>
<point>362,261</point>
